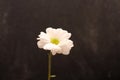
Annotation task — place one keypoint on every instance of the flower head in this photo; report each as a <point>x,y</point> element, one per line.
<point>55,40</point>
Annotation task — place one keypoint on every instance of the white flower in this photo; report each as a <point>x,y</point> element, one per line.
<point>55,40</point>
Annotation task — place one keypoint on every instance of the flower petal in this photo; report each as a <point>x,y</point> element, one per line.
<point>54,48</point>
<point>43,39</point>
<point>40,44</point>
<point>58,33</point>
<point>66,46</point>
<point>43,36</point>
<point>62,34</point>
<point>51,32</point>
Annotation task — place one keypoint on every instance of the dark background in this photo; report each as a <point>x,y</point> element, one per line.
<point>95,28</point>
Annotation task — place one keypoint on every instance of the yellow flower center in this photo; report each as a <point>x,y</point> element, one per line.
<point>54,41</point>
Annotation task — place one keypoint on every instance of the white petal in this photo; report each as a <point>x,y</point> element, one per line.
<point>43,39</point>
<point>58,33</point>
<point>43,36</point>
<point>54,48</point>
<point>66,46</point>
<point>40,44</point>
<point>63,34</point>
<point>53,52</point>
<point>51,32</point>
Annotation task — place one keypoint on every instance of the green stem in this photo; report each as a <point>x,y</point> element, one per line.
<point>49,65</point>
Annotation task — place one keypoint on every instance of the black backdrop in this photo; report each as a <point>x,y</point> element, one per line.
<point>95,28</point>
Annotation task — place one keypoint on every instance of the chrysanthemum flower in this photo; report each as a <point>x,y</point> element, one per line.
<point>55,40</point>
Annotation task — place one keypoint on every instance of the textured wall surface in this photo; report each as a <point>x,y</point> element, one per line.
<point>95,28</point>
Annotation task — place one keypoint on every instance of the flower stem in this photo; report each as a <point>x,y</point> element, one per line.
<point>49,65</point>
